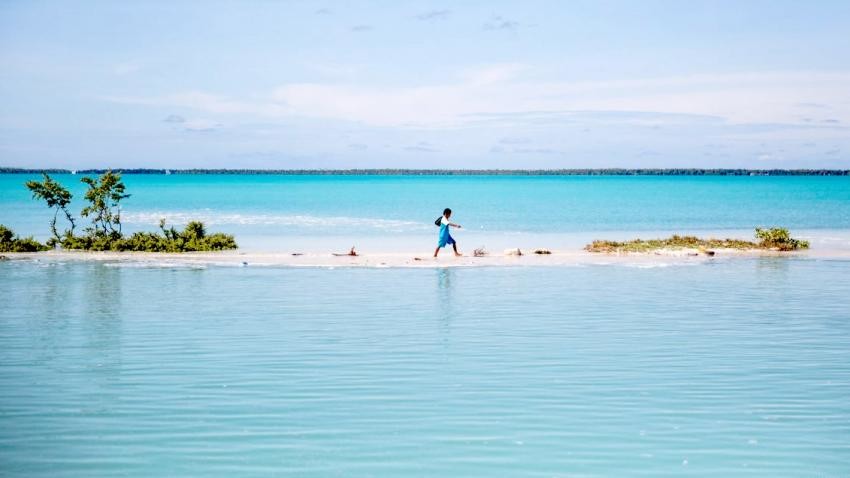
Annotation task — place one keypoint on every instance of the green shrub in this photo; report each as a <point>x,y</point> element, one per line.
<point>779,238</point>
<point>194,230</point>
<point>145,242</point>
<point>192,238</point>
<point>9,242</point>
<point>219,241</point>
<point>775,238</point>
<point>104,195</point>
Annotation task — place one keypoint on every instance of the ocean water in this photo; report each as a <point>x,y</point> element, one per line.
<point>736,368</point>
<point>397,212</point>
<point>727,367</point>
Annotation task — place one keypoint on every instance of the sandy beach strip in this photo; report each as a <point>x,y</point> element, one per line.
<point>411,259</point>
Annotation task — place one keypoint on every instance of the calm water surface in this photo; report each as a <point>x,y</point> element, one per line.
<point>738,368</point>
<point>264,209</point>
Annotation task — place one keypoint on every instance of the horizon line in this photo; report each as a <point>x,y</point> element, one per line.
<point>450,172</point>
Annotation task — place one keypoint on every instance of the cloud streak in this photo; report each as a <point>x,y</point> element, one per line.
<point>498,22</point>
<point>201,126</point>
<point>421,147</point>
<point>497,94</point>
<point>433,15</point>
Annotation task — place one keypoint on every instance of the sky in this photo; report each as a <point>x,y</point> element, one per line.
<point>425,84</point>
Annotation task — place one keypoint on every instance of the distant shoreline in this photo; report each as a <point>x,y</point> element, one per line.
<point>450,172</point>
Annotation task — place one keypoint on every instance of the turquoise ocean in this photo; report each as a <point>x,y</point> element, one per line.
<point>274,212</point>
<point>717,368</point>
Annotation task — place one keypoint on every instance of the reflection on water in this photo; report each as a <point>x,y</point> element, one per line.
<point>444,299</point>
<point>723,369</point>
<point>101,321</point>
<point>777,264</point>
<point>48,326</point>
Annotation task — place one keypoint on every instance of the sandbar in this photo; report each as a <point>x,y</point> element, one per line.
<point>421,259</point>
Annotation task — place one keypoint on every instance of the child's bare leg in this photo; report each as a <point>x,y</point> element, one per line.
<point>455,248</point>
<point>436,251</point>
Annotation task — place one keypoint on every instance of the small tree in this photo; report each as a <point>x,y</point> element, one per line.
<point>104,195</point>
<point>58,198</point>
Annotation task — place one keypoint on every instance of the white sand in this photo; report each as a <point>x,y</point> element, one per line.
<point>411,259</point>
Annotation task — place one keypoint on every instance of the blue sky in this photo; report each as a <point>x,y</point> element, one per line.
<point>489,84</point>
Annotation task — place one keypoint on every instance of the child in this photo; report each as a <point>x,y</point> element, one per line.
<point>445,236</point>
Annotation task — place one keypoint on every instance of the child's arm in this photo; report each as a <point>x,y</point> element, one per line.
<point>455,225</point>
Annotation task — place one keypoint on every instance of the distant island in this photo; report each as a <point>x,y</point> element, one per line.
<point>453,172</point>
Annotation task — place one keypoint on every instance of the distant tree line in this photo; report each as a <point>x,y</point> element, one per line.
<point>457,172</point>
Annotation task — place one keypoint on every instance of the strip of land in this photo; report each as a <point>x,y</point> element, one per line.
<point>421,259</point>
<point>454,172</point>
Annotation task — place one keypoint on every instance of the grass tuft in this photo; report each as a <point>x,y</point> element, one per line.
<point>776,239</point>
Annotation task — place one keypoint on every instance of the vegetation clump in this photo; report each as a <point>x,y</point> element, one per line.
<point>57,198</point>
<point>778,238</point>
<point>192,238</point>
<point>10,242</point>
<point>104,195</point>
<point>769,239</point>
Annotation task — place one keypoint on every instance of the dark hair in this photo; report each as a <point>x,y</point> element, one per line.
<point>446,211</point>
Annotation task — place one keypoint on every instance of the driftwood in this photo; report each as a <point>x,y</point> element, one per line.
<point>352,253</point>
<point>480,252</point>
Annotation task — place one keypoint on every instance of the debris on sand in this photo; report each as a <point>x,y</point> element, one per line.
<point>352,253</point>
<point>513,252</point>
<point>542,251</point>
<point>480,252</point>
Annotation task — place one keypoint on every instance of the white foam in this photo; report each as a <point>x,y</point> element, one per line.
<point>213,218</point>
<point>155,265</point>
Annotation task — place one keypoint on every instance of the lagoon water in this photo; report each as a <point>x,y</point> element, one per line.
<point>397,212</point>
<point>729,369</point>
<point>721,368</point>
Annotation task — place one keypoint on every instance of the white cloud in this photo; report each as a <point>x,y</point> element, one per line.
<point>498,90</point>
<point>203,102</point>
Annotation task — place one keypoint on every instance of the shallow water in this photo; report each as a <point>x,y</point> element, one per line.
<point>397,212</point>
<point>735,368</point>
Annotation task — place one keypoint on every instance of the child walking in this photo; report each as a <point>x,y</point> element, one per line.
<point>445,235</point>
